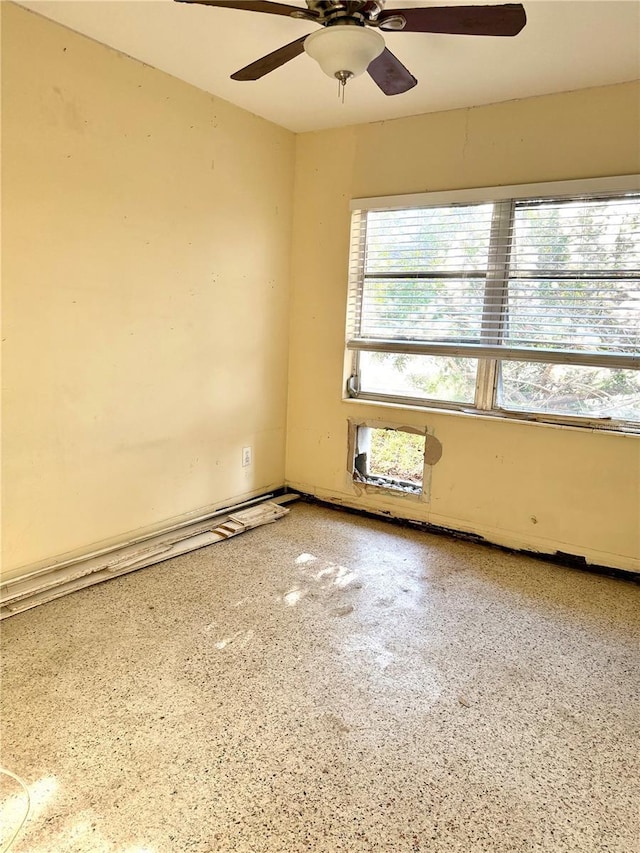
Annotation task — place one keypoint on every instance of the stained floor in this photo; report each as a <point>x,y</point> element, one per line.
<point>329,683</point>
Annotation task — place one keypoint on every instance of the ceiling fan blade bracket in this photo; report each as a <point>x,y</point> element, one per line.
<point>394,23</point>
<point>304,15</point>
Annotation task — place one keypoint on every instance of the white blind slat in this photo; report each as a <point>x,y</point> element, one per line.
<point>570,275</point>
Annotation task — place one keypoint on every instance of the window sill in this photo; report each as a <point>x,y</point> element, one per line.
<point>549,421</point>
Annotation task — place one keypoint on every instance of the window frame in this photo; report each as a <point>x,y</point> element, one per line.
<point>489,358</point>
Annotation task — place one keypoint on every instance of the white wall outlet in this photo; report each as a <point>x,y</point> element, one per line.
<point>246,456</point>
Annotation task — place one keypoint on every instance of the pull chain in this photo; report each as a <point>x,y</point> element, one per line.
<point>343,77</point>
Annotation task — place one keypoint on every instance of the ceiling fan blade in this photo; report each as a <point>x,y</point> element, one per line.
<point>390,75</point>
<point>252,6</point>
<point>505,20</point>
<point>271,61</point>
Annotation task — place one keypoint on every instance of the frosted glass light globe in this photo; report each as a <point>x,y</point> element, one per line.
<point>343,48</point>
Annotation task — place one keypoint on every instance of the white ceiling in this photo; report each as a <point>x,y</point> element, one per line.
<point>566,44</point>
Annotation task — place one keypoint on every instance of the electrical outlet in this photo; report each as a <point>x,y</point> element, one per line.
<point>246,456</point>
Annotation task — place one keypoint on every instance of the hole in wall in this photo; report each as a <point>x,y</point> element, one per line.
<point>391,458</point>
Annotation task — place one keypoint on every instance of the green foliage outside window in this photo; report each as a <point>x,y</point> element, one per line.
<point>396,454</point>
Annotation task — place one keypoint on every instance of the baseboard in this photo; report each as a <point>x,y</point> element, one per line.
<point>46,584</point>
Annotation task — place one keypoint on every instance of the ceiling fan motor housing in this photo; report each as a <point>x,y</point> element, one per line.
<point>326,10</point>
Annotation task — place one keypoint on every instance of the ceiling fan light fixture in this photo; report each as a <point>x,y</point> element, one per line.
<point>344,51</point>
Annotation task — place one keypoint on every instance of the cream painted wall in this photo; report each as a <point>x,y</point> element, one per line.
<point>146,253</point>
<point>519,484</point>
<point>146,237</point>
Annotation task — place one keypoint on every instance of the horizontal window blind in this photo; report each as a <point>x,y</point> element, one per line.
<point>574,275</point>
<point>423,273</point>
<point>527,278</point>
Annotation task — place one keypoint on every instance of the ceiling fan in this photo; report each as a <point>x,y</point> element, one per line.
<point>349,42</point>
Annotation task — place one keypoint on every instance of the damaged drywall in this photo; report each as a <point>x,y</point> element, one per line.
<point>362,482</point>
<point>432,449</point>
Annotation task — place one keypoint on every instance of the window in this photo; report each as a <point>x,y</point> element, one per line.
<point>521,301</point>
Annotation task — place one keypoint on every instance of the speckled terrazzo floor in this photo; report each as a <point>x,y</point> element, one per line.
<point>329,683</point>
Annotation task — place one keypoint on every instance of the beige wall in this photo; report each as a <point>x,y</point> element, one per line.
<point>146,240</point>
<point>495,477</point>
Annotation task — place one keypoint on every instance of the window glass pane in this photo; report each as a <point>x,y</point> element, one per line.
<point>562,389</point>
<point>577,234</point>
<point>574,280</point>
<point>444,310</point>
<point>442,378</point>
<point>575,315</point>
<point>424,273</point>
<point>454,238</point>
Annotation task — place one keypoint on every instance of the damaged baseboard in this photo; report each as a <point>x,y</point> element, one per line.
<point>558,558</point>
<point>27,591</point>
